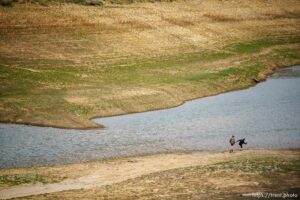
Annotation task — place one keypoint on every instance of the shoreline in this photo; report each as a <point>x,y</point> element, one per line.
<point>94,175</point>
<point>264,77</point>
<point>142,155</point>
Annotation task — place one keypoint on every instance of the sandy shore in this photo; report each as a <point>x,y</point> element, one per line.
<point>87,176</point>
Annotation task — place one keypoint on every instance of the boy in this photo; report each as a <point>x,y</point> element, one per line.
<point>232,142</point>
<point>241,142</point>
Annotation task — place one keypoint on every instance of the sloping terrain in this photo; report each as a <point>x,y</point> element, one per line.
<point>62,64</point>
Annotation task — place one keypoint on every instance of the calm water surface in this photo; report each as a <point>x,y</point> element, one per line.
<point>268,115</point>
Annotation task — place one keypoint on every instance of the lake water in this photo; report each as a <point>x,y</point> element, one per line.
<point>267,115</point>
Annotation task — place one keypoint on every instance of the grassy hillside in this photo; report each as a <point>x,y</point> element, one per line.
<point>62,64</point>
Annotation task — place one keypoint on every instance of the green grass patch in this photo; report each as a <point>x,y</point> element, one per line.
<point>252,47</point>
<point>171,61</point>
<point>21,81</point>
<point>292,166</point>
<point>257,45</point>
<point>78,110</point>
<point>250,71</point>
<point>287,54</point>
<point>154,70</point>
<point>19,179</point>
<point>263,166</point>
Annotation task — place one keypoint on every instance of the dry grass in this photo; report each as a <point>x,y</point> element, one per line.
<point>78,62</point>
<point>176,176</point>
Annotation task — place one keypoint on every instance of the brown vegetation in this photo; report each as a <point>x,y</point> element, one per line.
<point>62,64</point>
<point>165,176</point>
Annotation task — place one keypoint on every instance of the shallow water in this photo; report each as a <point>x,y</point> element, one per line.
<point>267,115</point>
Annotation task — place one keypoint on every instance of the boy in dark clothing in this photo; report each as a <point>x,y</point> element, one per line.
<point>241,142</point>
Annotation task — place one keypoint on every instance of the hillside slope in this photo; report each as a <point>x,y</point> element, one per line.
<point>62,64</point>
